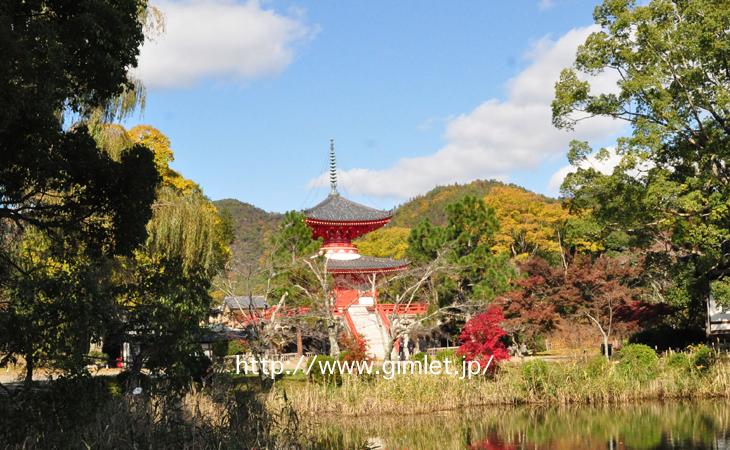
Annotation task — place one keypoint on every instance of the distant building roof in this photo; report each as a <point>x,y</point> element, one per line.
<point>220,332</point>
<point>245,302</point>
<point>366,264</point>
<point>336,208</point>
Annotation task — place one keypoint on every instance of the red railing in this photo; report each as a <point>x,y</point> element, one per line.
<point>383,317</point>
<point>413,308</point>
<point>384,310</point>
<point>351,326</point>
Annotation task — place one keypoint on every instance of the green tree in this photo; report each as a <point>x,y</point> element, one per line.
<point>69,58</point>
<point>671,189</point>
<point>67,206</point>
<point>58,296</point>
<point>164,291</point>
<point>476,273</point>
<point>283,265</point>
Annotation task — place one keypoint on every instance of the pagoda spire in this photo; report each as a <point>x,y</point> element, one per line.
<point>333,168</point>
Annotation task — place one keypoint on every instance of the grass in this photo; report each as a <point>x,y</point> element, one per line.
<point>94,413</point>
<point>238,412</point>
<point>588,381</point>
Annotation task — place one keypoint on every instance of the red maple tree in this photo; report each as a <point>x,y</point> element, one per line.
<point>529,309</point>
<point>604,292</point>
<point>353,348</point>
<point>481,338</point>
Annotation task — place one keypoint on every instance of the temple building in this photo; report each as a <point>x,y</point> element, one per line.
<point>338,221</point>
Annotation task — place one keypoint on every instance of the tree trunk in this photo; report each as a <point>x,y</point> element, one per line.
<point>332,336</point>
<point>300,350</point>
<point>605,346</point>
<point>388,344</point>
<point>29,365</point>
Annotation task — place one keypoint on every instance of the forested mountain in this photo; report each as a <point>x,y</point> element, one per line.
<point>432,205</point>
<point>251,224</point>
<point>250,227</point>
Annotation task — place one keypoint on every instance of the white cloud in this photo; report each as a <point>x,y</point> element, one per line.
<point>638,170</point>
<point>545,4</point>
<point>219,39</point>
<point>498,137</point>
<point>605,166</point>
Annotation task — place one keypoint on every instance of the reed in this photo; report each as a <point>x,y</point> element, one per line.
<point>590,381</point>
<point>235,413</point>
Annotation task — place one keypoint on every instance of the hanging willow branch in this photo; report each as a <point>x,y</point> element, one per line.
<point>185,227</point>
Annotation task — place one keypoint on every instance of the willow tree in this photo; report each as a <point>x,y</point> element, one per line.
<point>166,296</point>
<point>163,288</point>
<point>670,192</point>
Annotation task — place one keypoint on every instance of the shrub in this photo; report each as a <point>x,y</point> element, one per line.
<point>319,373</point>
<point>420,356</point>
<point>638,361</point>
<point>353,348</point>
<point>664,337</point>
<point>97,357</point>
<point>449,354</point>
<point>702,357</point>
<point>597,367</point>
<point>679,361</point>
<point>220,348</point>
<point>237,347</point>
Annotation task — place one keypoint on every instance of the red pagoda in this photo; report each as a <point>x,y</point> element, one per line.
<point>338,221</point>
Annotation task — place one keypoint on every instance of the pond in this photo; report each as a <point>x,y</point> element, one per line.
<point>677,425</point>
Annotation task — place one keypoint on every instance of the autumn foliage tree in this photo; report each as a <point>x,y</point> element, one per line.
<point>529,223</point>
<point>603,292</point>
<point>529,309</point>
<point>387,242</point>
<point>598,290</point>
<point>481,338</point>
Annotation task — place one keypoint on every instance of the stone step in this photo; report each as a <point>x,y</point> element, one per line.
<point>369,327</point>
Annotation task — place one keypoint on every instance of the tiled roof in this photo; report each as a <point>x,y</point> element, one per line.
<point>336,208</point>
<point>220,332</point>
<point>245,302</point>
<point>365,264</point>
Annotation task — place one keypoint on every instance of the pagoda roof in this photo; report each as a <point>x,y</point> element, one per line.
<point>336,208</point>
<point>366,264</point>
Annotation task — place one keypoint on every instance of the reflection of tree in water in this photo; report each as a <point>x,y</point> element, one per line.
<point>651,426</point>
<point>492,442</point>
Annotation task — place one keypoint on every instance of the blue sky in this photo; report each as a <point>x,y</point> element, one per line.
<point>414,93</point>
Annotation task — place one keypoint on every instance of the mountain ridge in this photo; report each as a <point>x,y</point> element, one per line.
<point>251,224</point>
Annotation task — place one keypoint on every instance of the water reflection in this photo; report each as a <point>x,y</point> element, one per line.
<point>698,426</point>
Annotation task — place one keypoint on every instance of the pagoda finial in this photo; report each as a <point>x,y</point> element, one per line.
<point>333,168</point>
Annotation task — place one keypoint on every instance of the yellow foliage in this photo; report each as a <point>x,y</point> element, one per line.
<point>528,222</point>
<point>388,242</point>
<point>184,223</point>
<point>156,141</point>
<point>153,139</point>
